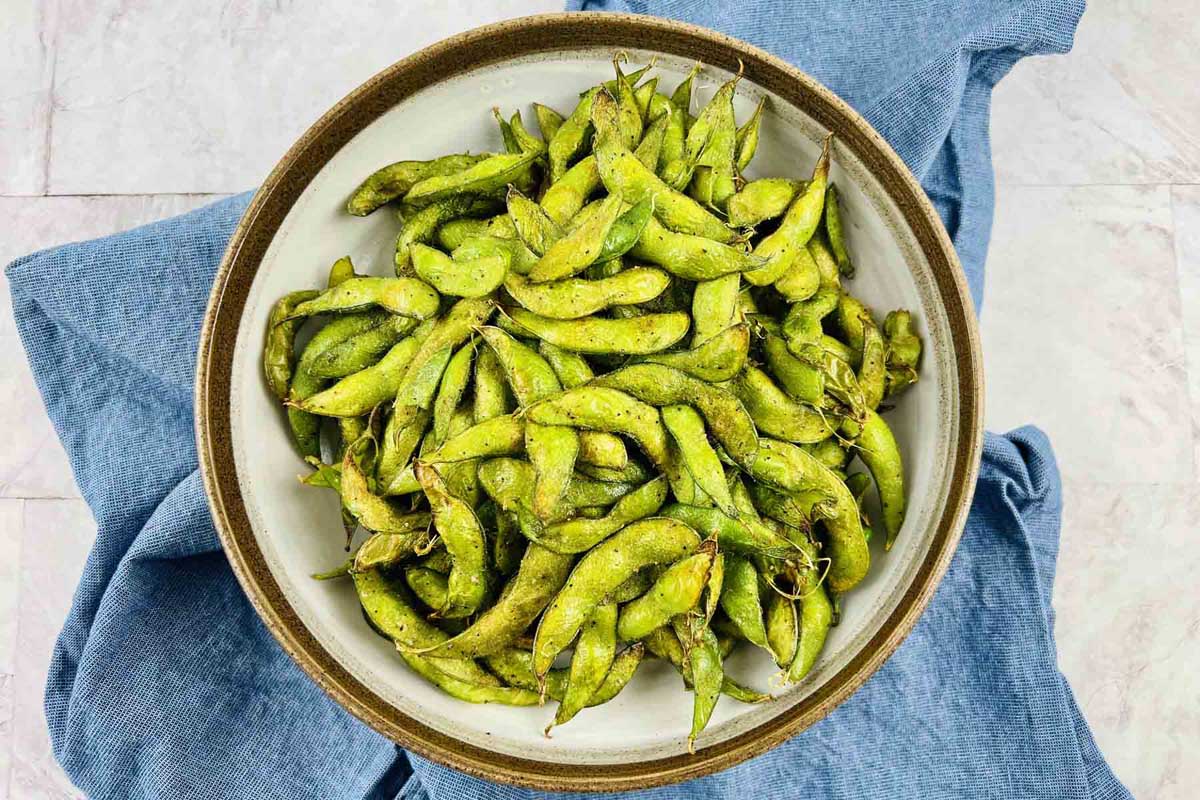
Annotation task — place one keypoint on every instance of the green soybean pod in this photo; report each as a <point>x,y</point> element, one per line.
<point>686,426</point>
<point>427,585</point>
<point>549,120</point>
<point>742,535</point>
<point>422,225</point>
<point>649,333</point>
<point>538,579</point>
<point>490,175</point>
<point>404,296</point>
<point>872,368</point>
<point>357,394</point>
<point>279,350</point>
<point>741,600</point>
<point>475,277</point>
<point>629,116</point>
<point>649,149</point>
<point>903,351</point>
<point>693,258</point>
<point>386,550</point>
<point>405,427</point>
<point>393,181</point>
<point>567,195</point>
<point>802,381</point>
<point>790,468</point>
<point>876,446</point>
<point>782,628</point>
<point>463,537</point>
<point>761,200</point>
<point>581,534</point>
<point>717,359</point>
<point>676,591</point>
<point>599,572</point>
<point>533,225</point>
<point>775,413</point>
<point>723,413</point>
<point>833,229</point>
<point>451,330</point>
<point>747,137</point>
<point>553,450</point>
<point>802,280</point>
<point>374,333</point>
<point>852,315</point>
<point>708,675</point>
<point>491,389</point>
<point>623,175</point>
<point>573,298</point>
<point>373,512</point>
<point>386,605</point>
<point>682,96</point>
<point>590,663</point>
<point>572,369</point>
<point>599,408</point>
<point>451,235</point>
<point>514,666</point>
<point>623,235</point>
<point>714,305</point>
<point>579,247</point>
<point>572,137</point>
<point>816,616</point>
<point>451,390</point>
<point>468,691</point>
<point>495,436</point>
<point>526,141</point>
<point>508,545</point>
<point>798,225</point>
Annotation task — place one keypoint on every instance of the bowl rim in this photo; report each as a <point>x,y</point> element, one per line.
<point>495,43</point>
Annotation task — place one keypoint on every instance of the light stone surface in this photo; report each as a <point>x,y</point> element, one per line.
<point>1091,325</point>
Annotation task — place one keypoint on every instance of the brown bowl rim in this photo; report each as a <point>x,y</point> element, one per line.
<point>466,51</point>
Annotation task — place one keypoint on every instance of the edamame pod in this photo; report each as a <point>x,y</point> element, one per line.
<point>393,181</point>
<point>590,663</point>
<point>490,175</point>
<point>603,569</point>
<point>602,409</point>
<point>581,534</point>
<point>876,446</point>
<point>693,258</point>
<point>541,574</point>
<point>717,359</point>
<point>462,535</point>
<point>686,426</point>
<point>676,591</point>
<point>279,351</point>
<point>573,298</point>
<point>407,297</point>
<point>743,534</point>
<point>475,277</point>
<point>793,470</point>
<point>645,334</point>
<point>775,413</point>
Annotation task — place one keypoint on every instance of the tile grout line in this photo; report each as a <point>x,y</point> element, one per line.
<point>48,142</point>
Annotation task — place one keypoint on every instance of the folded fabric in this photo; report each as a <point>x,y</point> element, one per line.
<point>165,684</point>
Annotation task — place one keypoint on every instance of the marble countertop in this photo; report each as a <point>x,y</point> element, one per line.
<point>113,114</point>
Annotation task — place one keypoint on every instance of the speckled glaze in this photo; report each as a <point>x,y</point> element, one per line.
<point>954,391</point>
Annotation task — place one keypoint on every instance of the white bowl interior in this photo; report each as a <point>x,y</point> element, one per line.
<point>299,530</point>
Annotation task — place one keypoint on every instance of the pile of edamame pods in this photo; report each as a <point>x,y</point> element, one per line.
<point>607,405</point>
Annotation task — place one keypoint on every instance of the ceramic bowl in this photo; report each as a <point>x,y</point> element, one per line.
<point>277,532</point>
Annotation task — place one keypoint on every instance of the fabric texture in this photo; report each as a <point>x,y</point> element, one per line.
<point>164,683</point>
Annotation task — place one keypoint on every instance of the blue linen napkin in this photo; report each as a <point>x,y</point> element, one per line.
<point>165,684</point>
